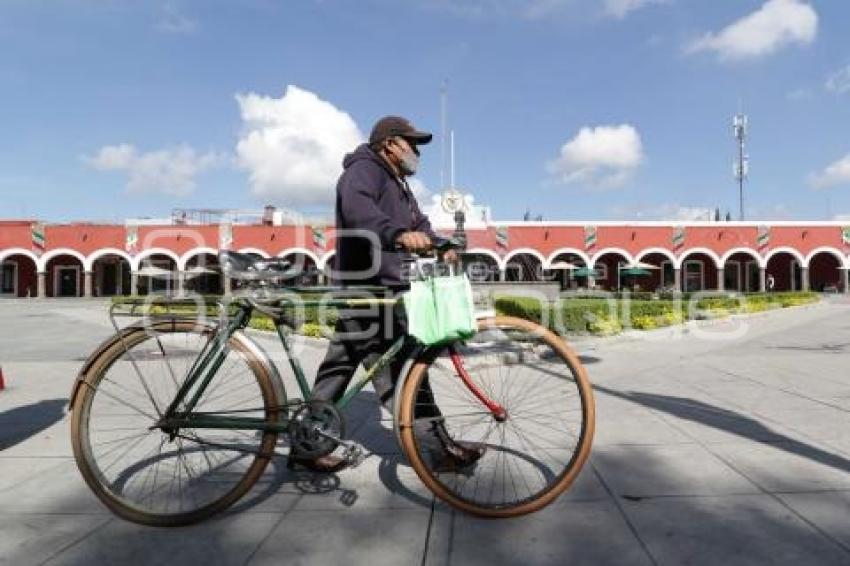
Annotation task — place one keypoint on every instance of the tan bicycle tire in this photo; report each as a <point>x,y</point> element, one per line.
<point>411,449</point>
<point>79,428</point>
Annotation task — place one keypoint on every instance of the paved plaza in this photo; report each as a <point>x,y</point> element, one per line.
<point>723,444</point>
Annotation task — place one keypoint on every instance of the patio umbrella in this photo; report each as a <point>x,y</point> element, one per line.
<point>198,270</point>
<point>585,272</point>
<point>644,265</point>
<point>635,271</point>
<point>632,272</point>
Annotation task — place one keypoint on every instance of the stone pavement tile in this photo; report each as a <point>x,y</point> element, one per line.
<point>592,533</point>
<point>666,470</point>
<point>51,442</point>
<point>31,539</point>
<point>15,470</point>
<point>60,489</point>
<point>827,510</point>
<point>373,537</point>
<point>734,530</point>
<point>789,466</point>
<point>225,541</point>
<point>821,423</point>
<point>727,427</point>
<point>635,426</point>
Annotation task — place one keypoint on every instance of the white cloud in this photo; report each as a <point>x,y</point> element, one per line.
<point>603,157</point>
<point>172,20</point>
<point>799,94</point>
<point>839,81</point>
<point>169,171</point>
<point>776,24</point>
<point>842,217</point>
<point>621,8</point>
<point>837,173</point>
<point>293,146</point>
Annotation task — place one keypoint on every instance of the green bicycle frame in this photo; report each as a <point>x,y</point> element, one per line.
<point>214,353</point>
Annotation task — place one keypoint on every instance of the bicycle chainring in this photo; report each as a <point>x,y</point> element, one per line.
<point>308,421</point>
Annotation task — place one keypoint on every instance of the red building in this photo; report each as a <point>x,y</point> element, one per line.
<point>83,259</point>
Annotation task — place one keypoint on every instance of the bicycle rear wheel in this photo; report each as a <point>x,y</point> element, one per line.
<point>535,452</point>
<point>161,477</point>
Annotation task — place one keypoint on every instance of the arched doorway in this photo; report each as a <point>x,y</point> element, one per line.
<point>523,266</point>
<point>110,276</point>
<point>157,274</point>
<point>741,272</point>
<point>785,270</point>
<point>64,276</point>
<point>662,275</point>
<point>480,267</point>
<point>607,266</point>
<point>699,272</point>
<point>18,276</point>
<point>562,273</point>
<point>202,275</point>
<point>825,271</point>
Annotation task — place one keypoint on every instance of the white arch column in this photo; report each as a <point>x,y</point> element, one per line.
<point>804,277</point>
<point>87,284</point>
<point>845,280</point>
<point>41,284</point>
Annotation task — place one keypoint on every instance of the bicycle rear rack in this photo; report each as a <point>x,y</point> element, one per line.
<point>153,309</point>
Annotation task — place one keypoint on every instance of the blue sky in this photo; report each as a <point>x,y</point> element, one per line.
<point>574,109</point>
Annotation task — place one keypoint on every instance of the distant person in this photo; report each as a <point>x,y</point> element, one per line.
<point>771,282</point>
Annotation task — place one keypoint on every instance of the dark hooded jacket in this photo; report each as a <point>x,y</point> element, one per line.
<point>372,200</point>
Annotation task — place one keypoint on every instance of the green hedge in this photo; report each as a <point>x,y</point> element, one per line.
<point>600,316</point>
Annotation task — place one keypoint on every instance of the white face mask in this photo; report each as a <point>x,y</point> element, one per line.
<point>409,162</point>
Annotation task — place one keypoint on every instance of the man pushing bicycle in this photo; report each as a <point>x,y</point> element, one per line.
<point>378,225</point>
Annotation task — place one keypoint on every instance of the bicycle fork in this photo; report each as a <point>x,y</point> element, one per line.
<point>499,413</point>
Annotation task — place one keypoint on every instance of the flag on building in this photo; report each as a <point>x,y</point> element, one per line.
<point>39,242</point>
<point>678,238</point>
<point>225,236</point>
<point>131,240</point>
<point>763,236</point>
<point>502,237</point>
<point>589,237</point>
<point>319,240</point>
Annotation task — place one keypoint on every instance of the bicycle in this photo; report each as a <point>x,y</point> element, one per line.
<point>176,418</point>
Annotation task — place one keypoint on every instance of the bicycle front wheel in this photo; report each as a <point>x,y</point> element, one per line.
<point>170,477</point>
<point>533,452</point>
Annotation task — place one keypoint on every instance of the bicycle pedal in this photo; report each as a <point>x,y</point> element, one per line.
<point>354,455</point>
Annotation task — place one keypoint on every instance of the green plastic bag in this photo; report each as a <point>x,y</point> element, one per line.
<point>440,309</point>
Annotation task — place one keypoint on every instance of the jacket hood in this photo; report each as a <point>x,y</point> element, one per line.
<point>362,152</point>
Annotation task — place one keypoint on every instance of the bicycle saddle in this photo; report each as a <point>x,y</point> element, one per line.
<point>248,267</point>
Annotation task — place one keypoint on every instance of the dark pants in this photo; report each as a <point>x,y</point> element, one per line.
<point>362,337</point>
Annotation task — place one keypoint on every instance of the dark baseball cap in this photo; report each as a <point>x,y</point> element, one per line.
<point>390,126</point>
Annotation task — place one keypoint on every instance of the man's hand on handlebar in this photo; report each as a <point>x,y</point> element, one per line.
<point>420,242</point>
<point>416,242</point>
